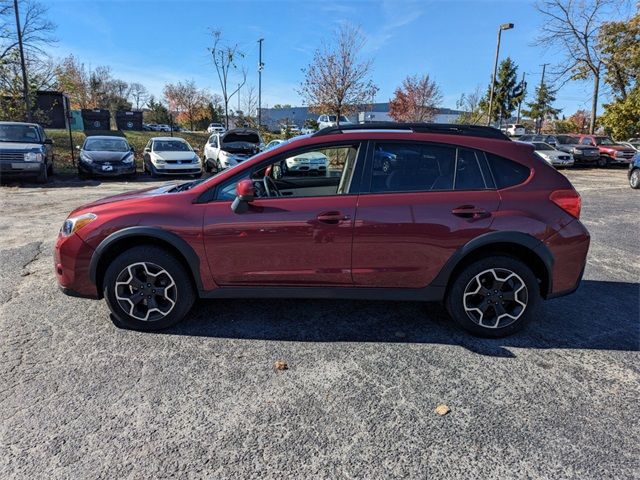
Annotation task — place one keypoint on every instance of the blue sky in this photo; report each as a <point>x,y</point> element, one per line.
<point>155,42</point>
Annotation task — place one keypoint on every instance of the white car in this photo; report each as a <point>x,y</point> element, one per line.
<point>170,156</point>
<point>215,128</point>
<point>325,121</point>
<point>163,127</point>
<point>293,129</point>
<point>553,156</point>
<point>273,144</point>
<point>307,131</point>
<point>307,163</point>
<point>515,130</point>
<point>224,150</point>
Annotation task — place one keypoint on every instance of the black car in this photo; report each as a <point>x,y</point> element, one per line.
<point>584,154</point>
<point>106,156</point>
<point>25,151</point>
<point>634,171</point>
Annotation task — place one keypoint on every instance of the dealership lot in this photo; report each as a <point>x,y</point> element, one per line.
<point>81,398</point>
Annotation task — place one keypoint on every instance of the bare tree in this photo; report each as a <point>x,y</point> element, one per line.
<point>337,81</point>
<point>572,27</point>
<point>37,30</point>
<point>469,103</point>
<point>250,102</point>
<point>138,94</point>
<point>225,58</point>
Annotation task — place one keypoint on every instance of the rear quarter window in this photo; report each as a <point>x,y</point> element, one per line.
<point>505,172</point>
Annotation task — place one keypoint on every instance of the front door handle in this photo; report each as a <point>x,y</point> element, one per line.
<point>332,218</point>
<point>469,211</point>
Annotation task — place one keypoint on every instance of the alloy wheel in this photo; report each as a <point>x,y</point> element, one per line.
<point>146,291</point>
<point>634,180</point>
<point>495,298</point>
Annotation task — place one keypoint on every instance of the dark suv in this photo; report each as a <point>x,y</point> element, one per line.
<point>25,151</point>
<point>583,154</point>
<point>465,216</point>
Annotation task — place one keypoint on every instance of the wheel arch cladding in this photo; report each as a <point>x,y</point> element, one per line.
<point>127,238</point>
<point>531,251</point>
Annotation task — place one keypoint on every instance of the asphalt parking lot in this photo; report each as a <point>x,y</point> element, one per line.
<point>82,399</point>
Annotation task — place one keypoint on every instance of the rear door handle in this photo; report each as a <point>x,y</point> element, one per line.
<point>332,217</point>
<point>469,211</point>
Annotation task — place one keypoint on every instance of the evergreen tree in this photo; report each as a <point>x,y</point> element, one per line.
<point>507,92</point>
<point>542,107</point>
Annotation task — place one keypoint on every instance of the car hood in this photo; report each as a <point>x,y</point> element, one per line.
<point>134,195</point>
<point>616,148</point>
<point>106,156</point>
<point>174,155</point>
<point>27,147</point>
<point>240,135</point>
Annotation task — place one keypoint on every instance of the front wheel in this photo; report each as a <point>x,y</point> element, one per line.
<point>603,162</point>
<point>147,288</point>
<point>494,297</point>
<point>634,178</point>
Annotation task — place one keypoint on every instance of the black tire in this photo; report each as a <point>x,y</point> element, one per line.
<point>603,161</point>
<point>207,166</point>
<point>152,171</point>
<point>472,276</point>
<point>634,178</point>
<point>43,176</point>
<point>181,290</point>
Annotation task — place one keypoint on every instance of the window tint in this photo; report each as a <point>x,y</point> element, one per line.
<point>409,167</point>
<point>505,172</point>
<point>585,141</point>
<point>469,175</point>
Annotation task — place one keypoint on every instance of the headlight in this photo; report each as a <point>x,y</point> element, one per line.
<point>85,158</point>
<point>196,159</point>
<point>619,154</point>
<point>128,159</point>
<point>73,224</point>
<point>159,161</point>
<point>33,157</point>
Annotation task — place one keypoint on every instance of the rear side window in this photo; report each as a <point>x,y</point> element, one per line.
<point>505,172</point>
<point>412,167</point>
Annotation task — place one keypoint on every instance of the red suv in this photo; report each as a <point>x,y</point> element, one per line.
<point>610,151</point>
<point>419,212</point>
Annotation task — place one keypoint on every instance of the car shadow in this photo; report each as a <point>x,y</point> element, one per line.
<point>599,315</point>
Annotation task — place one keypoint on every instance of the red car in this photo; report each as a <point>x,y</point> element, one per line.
<point>465,216</point>
<point>610,151</point>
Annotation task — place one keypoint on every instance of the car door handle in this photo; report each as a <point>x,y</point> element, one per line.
<point>469,211</point>
<point>332,217</point>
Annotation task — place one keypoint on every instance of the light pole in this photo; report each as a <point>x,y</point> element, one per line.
<point>504,26</point>
<point>25,81</point>
<point>260,67</point>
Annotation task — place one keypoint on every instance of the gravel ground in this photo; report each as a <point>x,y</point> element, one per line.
<point>82,399</point>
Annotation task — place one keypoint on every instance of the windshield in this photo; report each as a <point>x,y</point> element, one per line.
<point>604,141</point>
<point>542,146</point>
<point>566,140</point>
<point>170,146</point>
<point>19,133</point>
<point>106,145</point>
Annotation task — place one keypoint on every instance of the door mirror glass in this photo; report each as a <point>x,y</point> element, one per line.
<point>48,141</point>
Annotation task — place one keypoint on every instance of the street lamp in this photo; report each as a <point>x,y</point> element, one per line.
<point>504,26</point>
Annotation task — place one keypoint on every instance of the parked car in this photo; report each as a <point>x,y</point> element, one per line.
<point>551,155</point>
<point>634,171</point>
<point>25,151</point>
<point>106,156</point>
<point>635,146</point>
<point>582,154</point>
<point>307,131</point>
<point>274,144</point>
<point>146,127</point>
<point>610,151</point>
<point>216,128</point>
<point>291,128</point>
<point>467,217</point>
<point>163,127</point>
<point>325,121</point>
<point>153,127</point>
<point>170,156</point>
<point>230,148</point>
<point>515,130</point>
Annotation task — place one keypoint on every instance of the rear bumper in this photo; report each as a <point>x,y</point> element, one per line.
<point>569,247</point>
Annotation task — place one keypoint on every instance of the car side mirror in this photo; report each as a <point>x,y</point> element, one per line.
<point>245,194</point>
<point>48,141</point>
<point>77,147</point>
<point>147,149</point>
<point>133,149</point>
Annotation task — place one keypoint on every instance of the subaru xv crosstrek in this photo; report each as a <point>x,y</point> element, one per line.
<point>465,217</point>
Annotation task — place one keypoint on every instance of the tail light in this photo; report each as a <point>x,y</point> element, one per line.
<point>568,200</point>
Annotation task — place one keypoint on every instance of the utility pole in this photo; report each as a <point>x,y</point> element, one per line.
<point>504,26</point>
<point>541,118</point>
<point>25,81</point>
<point>260,67</point>
<point>522,97</point>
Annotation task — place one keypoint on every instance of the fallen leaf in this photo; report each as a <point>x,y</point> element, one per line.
<point>442,409</point>
<point>280,365</point>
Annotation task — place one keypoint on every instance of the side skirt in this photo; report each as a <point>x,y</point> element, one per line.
<point>427,294</point>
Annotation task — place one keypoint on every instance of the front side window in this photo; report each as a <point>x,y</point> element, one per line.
<point>412,167</point>
<point>316,172</point>
<point>604,141</point>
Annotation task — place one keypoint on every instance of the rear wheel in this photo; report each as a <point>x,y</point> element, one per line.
<point>147,288</point>
<point>634,178</point>
<point>494,297</point>
<point>603,162</point>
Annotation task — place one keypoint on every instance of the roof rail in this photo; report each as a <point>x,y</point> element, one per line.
<point>441,128</point>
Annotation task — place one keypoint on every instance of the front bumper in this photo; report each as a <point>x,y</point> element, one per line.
<point>71,257</point>
<point>97,169</point>
<point>21,169</point>
<point>581,158</point>
<point>178,171</point>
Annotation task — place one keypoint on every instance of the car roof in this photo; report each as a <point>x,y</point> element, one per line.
<point>169,138</point>
<point>20,123</point>
<point>106,137</point>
